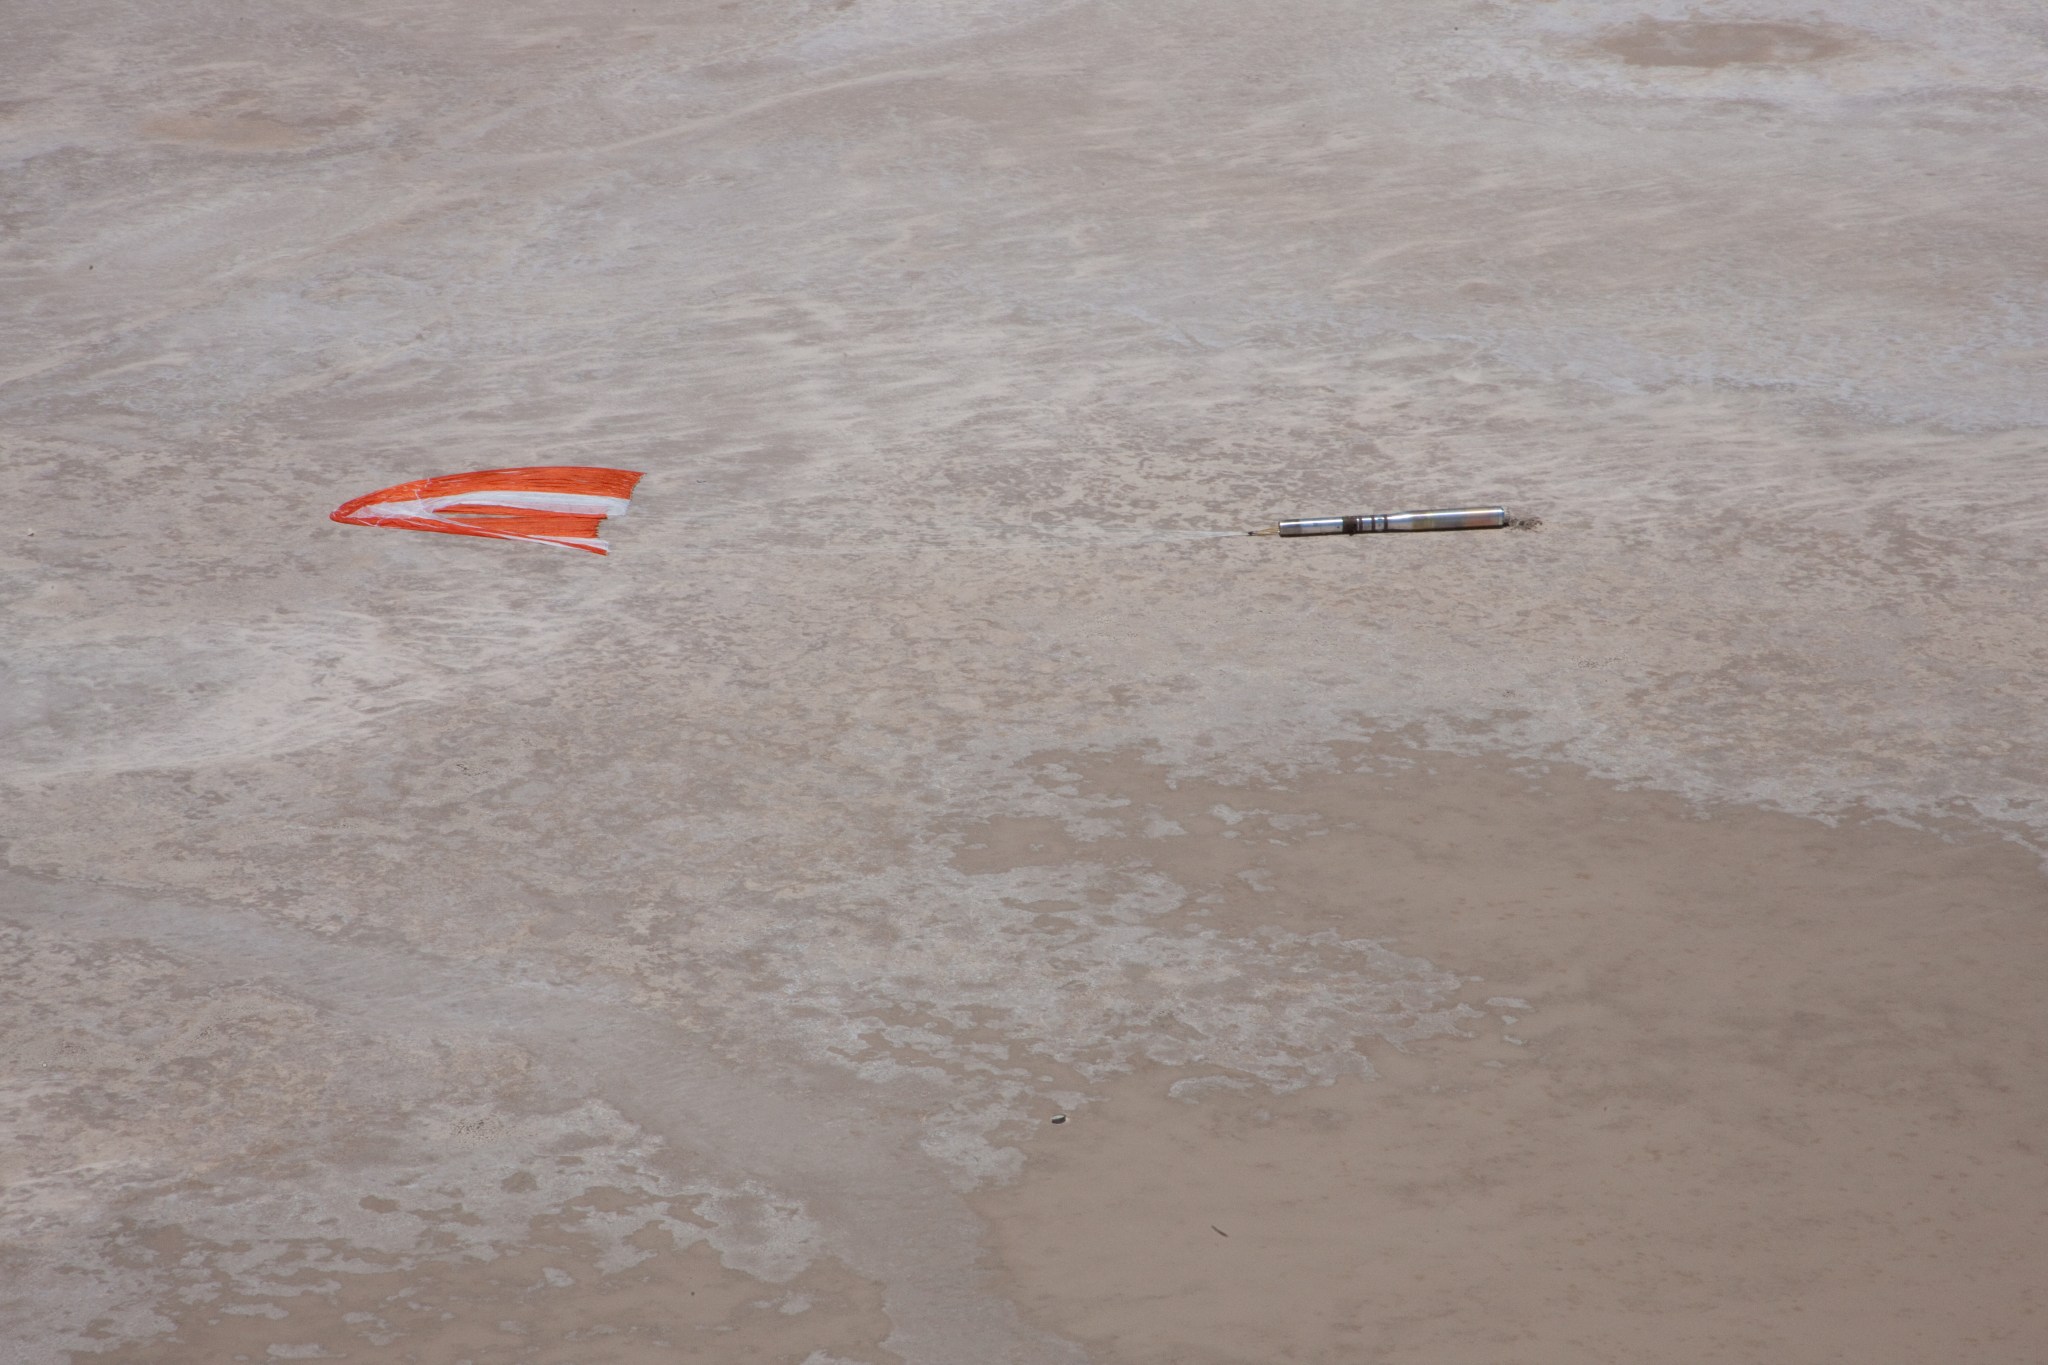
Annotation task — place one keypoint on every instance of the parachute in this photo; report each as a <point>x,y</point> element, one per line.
<point>551,504</point>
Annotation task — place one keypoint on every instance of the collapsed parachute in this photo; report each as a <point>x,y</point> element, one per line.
<point>552,504</point>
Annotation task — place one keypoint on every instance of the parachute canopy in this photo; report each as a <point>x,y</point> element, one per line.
<point>552,504</point>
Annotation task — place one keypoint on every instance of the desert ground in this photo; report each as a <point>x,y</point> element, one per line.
<point>929,896</point>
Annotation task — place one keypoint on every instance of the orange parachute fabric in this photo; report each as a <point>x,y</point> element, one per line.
<point>552,504</point>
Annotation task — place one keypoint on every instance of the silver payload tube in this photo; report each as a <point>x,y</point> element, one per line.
<point>1452,519</point>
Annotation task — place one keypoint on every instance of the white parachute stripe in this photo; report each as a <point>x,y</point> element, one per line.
<point>577,504</point>
<point>580,504</point>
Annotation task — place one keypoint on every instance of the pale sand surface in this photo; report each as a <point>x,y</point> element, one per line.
<point>684,952</point>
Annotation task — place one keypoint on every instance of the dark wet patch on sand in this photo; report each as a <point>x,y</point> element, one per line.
<point>1738,1087</point>
<point>228,132</point>
<point>1708,44</point>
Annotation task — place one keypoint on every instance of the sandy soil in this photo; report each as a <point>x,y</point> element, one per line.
<point>425,949</point>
